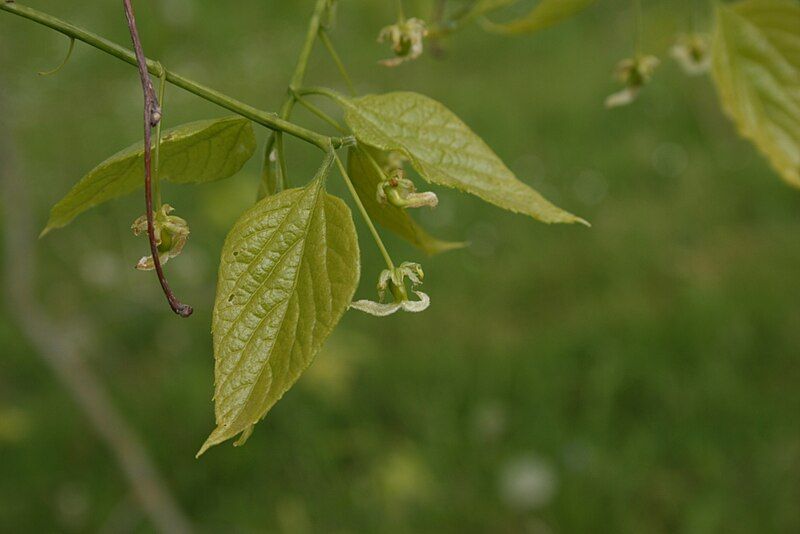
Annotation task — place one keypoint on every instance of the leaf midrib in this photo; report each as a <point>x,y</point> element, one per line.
<point>318,188</point>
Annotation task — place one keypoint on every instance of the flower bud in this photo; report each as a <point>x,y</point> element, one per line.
<point>693,53</point>
<point>406,39</point>
<point>402,193</point>
<point>634,73</point>
<point>394,281</point>
<point>171,233</point>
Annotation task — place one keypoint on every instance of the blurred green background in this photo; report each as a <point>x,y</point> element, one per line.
<point>638,376</point>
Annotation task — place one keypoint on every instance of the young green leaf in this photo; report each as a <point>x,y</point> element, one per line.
<point>444,150</point>
<point>756,67</point>
<point>197,152</point>
<point>546,13</point>
<point>289,269</point>
<point>366,179</point>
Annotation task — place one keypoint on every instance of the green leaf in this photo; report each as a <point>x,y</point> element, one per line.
<point>289,269</point>
<point>444,150</point>
<point>197,152</point>
<point>366,179</point>
<point>757,72</point>
<point>546,13</point>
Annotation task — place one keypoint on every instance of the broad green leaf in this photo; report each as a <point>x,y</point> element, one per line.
<point>366,179</point>
<point>757,72</point>
<point>444,150</point>
<point>197,152</point>
<point>546,13</point>
<point>288,272</point>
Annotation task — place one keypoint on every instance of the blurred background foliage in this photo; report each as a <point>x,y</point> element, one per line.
<point>639,376</point>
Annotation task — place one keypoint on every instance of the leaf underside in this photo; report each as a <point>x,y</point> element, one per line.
<point>444,151</point>
<point>546,13</point>
<point>288,272</point>
<point>757,73</point>
<point>197,152</point>
<point>366,179</point>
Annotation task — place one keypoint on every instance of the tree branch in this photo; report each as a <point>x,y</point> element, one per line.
<point>269,120</point>
<point>152,117</point>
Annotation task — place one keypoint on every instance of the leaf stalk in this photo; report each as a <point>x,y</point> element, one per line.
<point>364,214</point>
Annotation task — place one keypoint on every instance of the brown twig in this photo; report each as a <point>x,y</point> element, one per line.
<point>152,116</point>
<point>60,350</point>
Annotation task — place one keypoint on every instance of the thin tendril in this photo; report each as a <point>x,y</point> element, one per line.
<point>63,62</point>
<point>157,152</point>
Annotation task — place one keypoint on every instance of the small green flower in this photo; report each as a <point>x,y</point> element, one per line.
<point>395,282</point>
<point>171,233</point>
<point>401,192</point>
<point>406,39</point>
<point>693,53</point>
<point>635,73</point>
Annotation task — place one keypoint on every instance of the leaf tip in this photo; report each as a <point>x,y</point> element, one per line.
<point>210,442</point>
<point>221,434</point>
<point>47,229</point>
<point>203,450</point>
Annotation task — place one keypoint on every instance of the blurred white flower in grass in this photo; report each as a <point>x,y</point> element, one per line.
<point>528,482</point>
